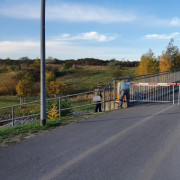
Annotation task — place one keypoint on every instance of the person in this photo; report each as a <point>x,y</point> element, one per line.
<point>98,103</point>
<point>124,91</point>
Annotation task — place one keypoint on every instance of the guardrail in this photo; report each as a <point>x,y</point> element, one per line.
<point>81,101</point>
<point>178,84</point>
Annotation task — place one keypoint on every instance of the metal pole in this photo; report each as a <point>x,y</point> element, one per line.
<point>114,94</point>
<point>179,95</point>
<point>104,100</point>
<point>12,116</point>
<point>43,70</point>
<point>59,107</point>
<point>173,95</point>
<point>110,97</point>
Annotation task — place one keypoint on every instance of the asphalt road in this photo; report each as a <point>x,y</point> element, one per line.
<point>138,143</point>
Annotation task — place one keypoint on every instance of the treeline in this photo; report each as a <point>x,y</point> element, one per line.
<point>169,60</point>
<point>83,62</point>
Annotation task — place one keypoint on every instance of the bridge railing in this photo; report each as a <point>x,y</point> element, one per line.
<point>110,101</point>
<point>80,102</point>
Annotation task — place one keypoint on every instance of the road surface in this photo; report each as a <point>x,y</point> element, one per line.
<point>138,143</point>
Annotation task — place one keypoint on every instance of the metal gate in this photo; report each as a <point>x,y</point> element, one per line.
<point>178,84</point>
<point>152,92</point>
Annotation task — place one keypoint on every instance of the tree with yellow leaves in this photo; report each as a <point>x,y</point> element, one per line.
<point>56,88</point>
<point>50,76</point>
<point>53,114</point>
<point>165,63</point>
<point>148,64</point>
<point>25,87</point>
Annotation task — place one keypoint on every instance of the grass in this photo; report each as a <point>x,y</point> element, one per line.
<point>8,100</point>
<point>86,78</point>
<point>13,134</point>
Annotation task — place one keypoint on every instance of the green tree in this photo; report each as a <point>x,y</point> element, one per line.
<point>36,64</point>
<point>25,58</point>
<point>173,54</point>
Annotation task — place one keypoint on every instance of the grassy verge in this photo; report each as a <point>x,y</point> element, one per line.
<point>8,100</point>
<point>10,135</point>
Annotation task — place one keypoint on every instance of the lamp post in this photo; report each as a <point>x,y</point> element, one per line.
<point>43,68</point>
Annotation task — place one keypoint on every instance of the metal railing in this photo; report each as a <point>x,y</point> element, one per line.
<point>161,77</point>
<point>81,101</point>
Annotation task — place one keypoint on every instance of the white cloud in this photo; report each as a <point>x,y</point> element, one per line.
<point>83,13</point>
<point>175,22</point>
<point>67,12</point>
<point>64,43</point>
<point>87,36</point>
<point>64,50</point>
<point>162,36</point>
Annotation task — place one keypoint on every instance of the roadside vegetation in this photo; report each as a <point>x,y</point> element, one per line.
<point>9,135</point>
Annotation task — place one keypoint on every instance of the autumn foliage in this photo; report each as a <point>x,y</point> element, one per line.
<point>148,64</point>
<point>165,63</point>
<point>56,88</point>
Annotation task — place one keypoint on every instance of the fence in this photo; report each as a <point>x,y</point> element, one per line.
<point>178,93</point>
<point>162,77</point>
<point>152,92</point>
<point>81,102</point>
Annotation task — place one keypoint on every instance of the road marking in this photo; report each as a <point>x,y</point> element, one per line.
<point>75,160</point>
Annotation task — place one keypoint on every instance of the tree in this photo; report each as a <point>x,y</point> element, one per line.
<point>25,87</point>
<point>148,64</point>
<point>165,63</point>
<point>25,58</point>
<point>176,63</point>
<point>36,64</point>
<point>173,54</point>
<point>53,114</point>
<point>56,88</point>
<point>50,76</point>
<point>8,58</point>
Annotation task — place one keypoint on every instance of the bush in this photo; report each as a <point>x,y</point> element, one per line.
<point>116,72</point>
<point>68,65</point>
<point>54,106</point>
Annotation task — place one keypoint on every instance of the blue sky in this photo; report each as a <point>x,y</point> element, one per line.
<point>104,29</point>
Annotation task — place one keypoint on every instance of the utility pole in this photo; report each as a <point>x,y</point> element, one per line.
<point>43,67</point>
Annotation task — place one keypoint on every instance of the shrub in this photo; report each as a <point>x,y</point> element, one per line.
<point>54,106</point>
<point>56,88</point>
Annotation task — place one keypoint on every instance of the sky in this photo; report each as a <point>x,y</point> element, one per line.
<point>103,29</point>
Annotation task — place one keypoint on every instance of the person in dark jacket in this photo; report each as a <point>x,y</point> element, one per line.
<point>98,103</point>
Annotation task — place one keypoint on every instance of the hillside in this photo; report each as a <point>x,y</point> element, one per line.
<point>78,76</point>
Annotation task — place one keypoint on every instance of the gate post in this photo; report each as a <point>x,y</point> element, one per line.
<point>114,94</point>
<point>178,93</point>
<point>12,116</point>
<point>173,95</point>
<point>109,97</point>
<point>59,107</point>
<point>104,99</point>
